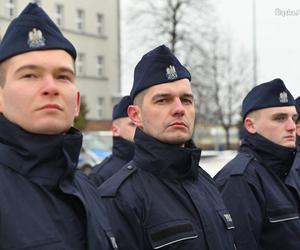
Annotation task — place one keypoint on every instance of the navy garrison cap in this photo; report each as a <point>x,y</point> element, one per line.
<point>33,30</point>
<point>267,95</point>
<point>158,66</point>
<point>120,109</point>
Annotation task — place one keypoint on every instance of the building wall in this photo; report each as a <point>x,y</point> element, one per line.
<point>100,92</point>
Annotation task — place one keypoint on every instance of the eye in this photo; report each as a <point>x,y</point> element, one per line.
<point>29,75</point>
<point>161,101</point>
<point>65,78</point>
<point>187,101</point>
<point>280,118</point>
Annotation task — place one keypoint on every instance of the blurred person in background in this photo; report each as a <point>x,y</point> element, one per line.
<point>123,147</point>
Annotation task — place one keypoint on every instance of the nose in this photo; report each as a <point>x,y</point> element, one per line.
<point>291,125</point>
<point>179,109</point>
<point>49,86</point>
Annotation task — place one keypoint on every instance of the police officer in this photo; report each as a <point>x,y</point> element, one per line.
<point>255,187</point>
<point>162,198</point>
<point>44,203</point>
<point>123,132</point>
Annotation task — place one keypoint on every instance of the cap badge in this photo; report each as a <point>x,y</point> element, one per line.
<point>35,38</point>
<point>171,72</point>
<point>283,97</point>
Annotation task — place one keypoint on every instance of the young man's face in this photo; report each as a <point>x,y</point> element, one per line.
<point>39,93</point>
<point>277,124</point>
<point>167,112</point>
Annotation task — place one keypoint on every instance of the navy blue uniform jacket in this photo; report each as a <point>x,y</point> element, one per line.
<point>162,199</point>
<point>121,154</point>
<point>262,195</point>
<point>44,203</point>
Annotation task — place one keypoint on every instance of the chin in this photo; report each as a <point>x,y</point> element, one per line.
<point>50,129</point>
<point>180,140</point>
<point>290,145</point>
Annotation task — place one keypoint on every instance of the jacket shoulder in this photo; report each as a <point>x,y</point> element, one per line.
<point>111,186</point>
<point>97,168</point>
<point>237,166</point>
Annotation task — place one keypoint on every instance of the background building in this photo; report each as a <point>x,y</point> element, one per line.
<point>93,27</point>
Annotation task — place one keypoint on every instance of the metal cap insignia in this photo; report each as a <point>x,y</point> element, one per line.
<point>171,72</point>
<point>283,97</point>
<point>35,38</point>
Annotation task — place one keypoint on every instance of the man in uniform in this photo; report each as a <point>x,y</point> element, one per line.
<point>44,203</point>
<point>256,185</point>
<point>123,132</point>
<point>162,199</point>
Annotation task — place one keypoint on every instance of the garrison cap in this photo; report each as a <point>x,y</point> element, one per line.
<point>267,95</point>
<point>120,109</point>
<point>158,66</point>
<point>33,30</point>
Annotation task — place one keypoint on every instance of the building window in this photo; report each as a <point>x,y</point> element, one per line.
<point>100,66</point>
<point>80,20</point>
<point>10,8</point>
<point>100,107</point>
<point>38,2</point>
<point>100,24</point>
<point>59,14</point>
<point>80,62</point>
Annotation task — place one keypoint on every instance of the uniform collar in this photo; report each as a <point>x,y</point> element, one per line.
<point>122,148</point>
<point>165,160</point>
<point>44,159</point>
<point>275,157</point>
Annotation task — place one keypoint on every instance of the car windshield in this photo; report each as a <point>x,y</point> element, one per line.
<point>97,142</point>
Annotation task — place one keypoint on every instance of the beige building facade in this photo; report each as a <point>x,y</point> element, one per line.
<point>93,27</point>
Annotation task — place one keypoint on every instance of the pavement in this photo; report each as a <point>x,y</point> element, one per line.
<point>213,161</point>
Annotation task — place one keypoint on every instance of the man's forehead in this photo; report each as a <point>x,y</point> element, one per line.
<point>179,87</point>
<point>64,60</point>
<point>278,110</point>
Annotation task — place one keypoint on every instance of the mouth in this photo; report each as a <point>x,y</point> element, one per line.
<point>290,138</point>
<point>178,125</point>
<point>51,107</point>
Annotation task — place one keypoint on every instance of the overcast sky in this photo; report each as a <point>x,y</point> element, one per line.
<point>277,32</point>
<point>278,36</point>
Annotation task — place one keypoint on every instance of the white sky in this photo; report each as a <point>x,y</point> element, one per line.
<point>277,32</point>
<point>278,36</point>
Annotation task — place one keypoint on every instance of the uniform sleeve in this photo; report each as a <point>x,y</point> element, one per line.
<point>125,223</point>
<point>245,203</point>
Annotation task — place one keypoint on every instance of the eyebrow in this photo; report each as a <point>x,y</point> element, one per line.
<point>161,95</point>
<point>36,67</point>
<point>284,114</point>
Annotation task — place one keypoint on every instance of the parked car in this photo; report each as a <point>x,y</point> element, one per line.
<point>95,147</point>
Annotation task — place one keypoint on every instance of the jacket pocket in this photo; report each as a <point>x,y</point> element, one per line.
<point>281,214</point>
<point>171,232</point>
<point>226,218</point>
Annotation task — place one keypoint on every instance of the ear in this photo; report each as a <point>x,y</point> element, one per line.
<point>77,104</point>
<point>250,125</point>
<point>115,130</point>
<point>134,113</point>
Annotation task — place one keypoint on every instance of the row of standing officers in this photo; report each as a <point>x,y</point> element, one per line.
<point>150,193</point>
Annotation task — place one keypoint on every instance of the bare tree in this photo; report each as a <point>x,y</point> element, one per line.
<point>230,80</point>
<point>188,27</point>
